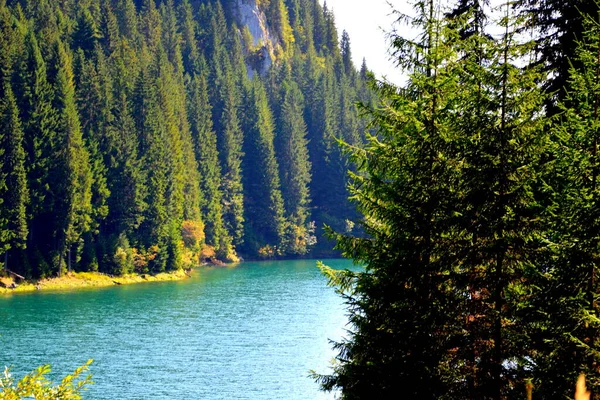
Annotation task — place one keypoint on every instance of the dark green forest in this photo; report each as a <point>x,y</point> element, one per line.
<point>481,196</point>
<point>143,136</point>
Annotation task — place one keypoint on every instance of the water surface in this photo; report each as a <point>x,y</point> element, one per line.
<point>249,332</point>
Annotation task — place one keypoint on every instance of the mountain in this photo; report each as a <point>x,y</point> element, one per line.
<point>143,136</point>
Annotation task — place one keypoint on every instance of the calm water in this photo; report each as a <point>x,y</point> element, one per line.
<point>249,332</point>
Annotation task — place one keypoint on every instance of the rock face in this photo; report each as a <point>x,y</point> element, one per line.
<point>247,13</point>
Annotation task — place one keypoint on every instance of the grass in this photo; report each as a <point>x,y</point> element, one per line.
<point>75,280</point>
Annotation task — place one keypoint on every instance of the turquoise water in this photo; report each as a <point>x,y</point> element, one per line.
<point>249,332</point>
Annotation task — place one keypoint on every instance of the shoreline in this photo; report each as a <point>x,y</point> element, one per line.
<point>82,280</point>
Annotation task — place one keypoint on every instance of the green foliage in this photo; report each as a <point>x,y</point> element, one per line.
<point>451,188</point>
<point>36,385</point>
<point>138,116</point>
<point>566,306</point>
<point>262,192</point>
<point>13,190</point>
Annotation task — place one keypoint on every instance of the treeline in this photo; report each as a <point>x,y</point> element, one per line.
<point>481,198</point>
<point>136,135</point>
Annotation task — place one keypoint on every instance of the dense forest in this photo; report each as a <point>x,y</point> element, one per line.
<point>142,135</point>
<point>481,196</point>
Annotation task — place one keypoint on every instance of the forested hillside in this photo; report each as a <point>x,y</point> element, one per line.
<point>137,135</point>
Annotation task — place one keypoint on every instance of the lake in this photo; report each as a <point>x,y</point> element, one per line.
<point>247,332</point>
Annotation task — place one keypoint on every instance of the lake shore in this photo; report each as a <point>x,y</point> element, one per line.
<point>78,280</point>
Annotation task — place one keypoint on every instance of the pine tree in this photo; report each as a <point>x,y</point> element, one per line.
<point>230,146</point>
<point>34,96</point>
<point>13,182</point>
<point>71,196</point>
<point>205,140</point>
<point>295,170</point>
<point>566,308</point>
<point>558,27</point>
<point>263,204</point>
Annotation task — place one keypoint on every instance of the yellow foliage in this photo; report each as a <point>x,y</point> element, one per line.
<point>267,251</point>
<point>192,233</point>
<point>581,392</point>
<point>36,385</point>
<point>142,258</point>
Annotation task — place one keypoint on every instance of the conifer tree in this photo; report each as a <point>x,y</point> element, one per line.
<point>205,140</point>
<point>295,169</point>
<point>117,148</point>
<point>448,187</point>
<point>346,53</point>
<point>402,307</point>
<point>13,182</point>
<point>263,204</point>
<point>109,26</point>
<point>230,144</point>
<point>565,306</point>
<point>504,157</point>
<point>558,25</point>
<point>71,196</point>
<point>34,96</point>
<point>86,33</point>
<point>128,19</point>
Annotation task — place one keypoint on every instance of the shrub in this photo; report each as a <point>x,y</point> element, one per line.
<point>36,385</point>
<point>192,233</point>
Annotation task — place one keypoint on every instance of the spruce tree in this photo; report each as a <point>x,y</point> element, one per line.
<point>13,185</point>
<point>295,169</point>
<point>34,96</point>
<point>402,308</point>
<point>566,306</point>
<point>205,145</point>
<point>449,189</point>
<point>504,152</point>
<point>230,142</point>
<point>71,196</point>
<point>263,204</point>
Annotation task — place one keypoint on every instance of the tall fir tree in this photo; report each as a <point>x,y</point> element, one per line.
<point>565,306</point>
<point>263,204</point>
<point>71,197</point>
<point>295,169</point>
<point>14,193</point>
<point>205,140</point>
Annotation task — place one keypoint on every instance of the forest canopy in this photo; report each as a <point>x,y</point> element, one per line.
<point>142,136</point>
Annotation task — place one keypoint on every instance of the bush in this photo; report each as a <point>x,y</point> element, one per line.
<point>193,234</point>
<point>36,385</point>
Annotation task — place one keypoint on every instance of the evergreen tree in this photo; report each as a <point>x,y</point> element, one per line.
<point>34,94</point>
<point>295,169</point>
<point>13,186</point>
<point>71,196</point>
<point>346,53</point>
<point>448,188</point>
<point>559,26</point>
<point>86,33</point>
<point>115,99</point>
<point>208,164</point>
<point>230,142</point>
<point>565,306</point>
<point>263,204</point>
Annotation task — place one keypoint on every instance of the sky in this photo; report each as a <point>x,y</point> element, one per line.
<point>366,22</point>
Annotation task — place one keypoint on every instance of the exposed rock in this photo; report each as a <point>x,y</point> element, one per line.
<point>247,13</point>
